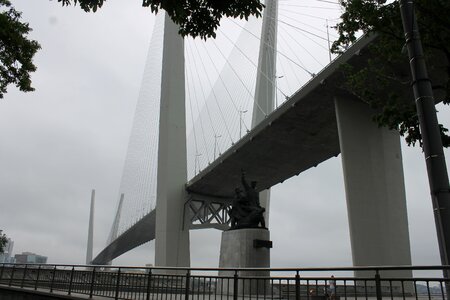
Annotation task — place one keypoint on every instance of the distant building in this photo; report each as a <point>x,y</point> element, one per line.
<point>5,257</point>
<point>30,258</point>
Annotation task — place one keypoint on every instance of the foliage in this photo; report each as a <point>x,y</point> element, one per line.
<point>369,16</point>
<point>16,50</point>
<point>3,241</point>
<point>195,17</point>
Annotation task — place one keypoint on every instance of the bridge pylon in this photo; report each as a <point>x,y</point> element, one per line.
<point>266,78</point>
<point>171,238</point>
<point>90,240</point>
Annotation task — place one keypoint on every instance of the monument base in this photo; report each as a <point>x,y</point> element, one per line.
<point>245,248</point>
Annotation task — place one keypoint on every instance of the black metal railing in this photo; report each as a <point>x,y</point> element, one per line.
<point>424,282</point>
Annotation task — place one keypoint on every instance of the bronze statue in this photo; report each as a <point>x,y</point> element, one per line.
<point>246,211</point>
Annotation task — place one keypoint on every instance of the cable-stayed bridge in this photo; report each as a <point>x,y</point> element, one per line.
<point>308,126</point>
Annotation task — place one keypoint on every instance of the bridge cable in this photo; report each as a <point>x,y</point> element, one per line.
<point>304,30</point>
<point>234,71</point>
<point>281,53</point>
<point>190,100</point>
<point>206,104</point>
<point>215,97</point>
<point>301,46</point>
<point>223,83</point>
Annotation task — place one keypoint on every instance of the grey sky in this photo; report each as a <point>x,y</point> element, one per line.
<point>71,134</point>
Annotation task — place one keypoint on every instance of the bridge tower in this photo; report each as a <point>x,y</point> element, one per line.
<point>266,78</point>
<point>171,238</point>
<point>90,240</point>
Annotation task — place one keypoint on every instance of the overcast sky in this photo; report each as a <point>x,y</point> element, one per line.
<point>71,135</point>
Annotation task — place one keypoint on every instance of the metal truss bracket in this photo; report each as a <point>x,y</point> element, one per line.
<point>204,211</point>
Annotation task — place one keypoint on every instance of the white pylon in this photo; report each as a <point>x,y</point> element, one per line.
<point>171,238</point>
<point>266,78</point>
<point>90,240</point>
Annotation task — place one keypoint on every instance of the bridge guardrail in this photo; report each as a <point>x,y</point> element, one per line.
<point>120,282</point>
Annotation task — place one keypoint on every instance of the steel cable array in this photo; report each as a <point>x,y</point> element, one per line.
<point>220,86</point>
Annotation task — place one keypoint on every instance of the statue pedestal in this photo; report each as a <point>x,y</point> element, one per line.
<point>245,248</point>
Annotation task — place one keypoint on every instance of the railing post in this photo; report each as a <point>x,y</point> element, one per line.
<point>12,275</point>
<point>297,286</point>
<point>117,285</point>
<point>235,285</point>
<point>1,273</point>
<point>23,277</point>
<point>71,280</point>
<point>149,282</point>
<point>188,282</point>
<point>378,285</point>
<point>91,289</point>
<point>53,279</point>
<point>37,277</point>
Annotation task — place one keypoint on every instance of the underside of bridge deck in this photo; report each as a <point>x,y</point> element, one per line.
<point>299,135</point>
<point>140,233</point>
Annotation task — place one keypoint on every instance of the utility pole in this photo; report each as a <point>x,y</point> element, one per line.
<point>216,136</point>
<point>241,112</point>
<point>429,129</point>
<point>197,163</point>
<point>328,40</point>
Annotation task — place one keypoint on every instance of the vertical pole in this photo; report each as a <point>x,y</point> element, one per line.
<point>23,277</point>
<point>91,289</point>
<point>37,277</point>
<point>90,241</point>
<point>297,286</point>
<point>216,136</point>
<point>235,285</point>
<point>1,273</point>
<point>188,282</point>
<point>328,40</point>
<point>53,279</point>
<point>117,285</point>
<point>429,129</point>
<point>12,275</point>
<point>241,112</point>
<point>378,285</point>
<point>71,281</point>
<point>149,282</point>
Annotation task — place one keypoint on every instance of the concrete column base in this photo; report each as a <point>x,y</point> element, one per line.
<point>238,251</point>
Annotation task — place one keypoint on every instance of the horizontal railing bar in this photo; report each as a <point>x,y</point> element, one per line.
<point>303,269</point>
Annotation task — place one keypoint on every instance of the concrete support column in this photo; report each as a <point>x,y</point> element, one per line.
<point>374,186</point>
<point>172,240</point>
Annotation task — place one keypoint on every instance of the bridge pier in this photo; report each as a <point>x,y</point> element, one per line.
<point>171,238</point>
<point>374,186</point>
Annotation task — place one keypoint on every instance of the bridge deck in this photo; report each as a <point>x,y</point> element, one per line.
<point>300,134</point>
